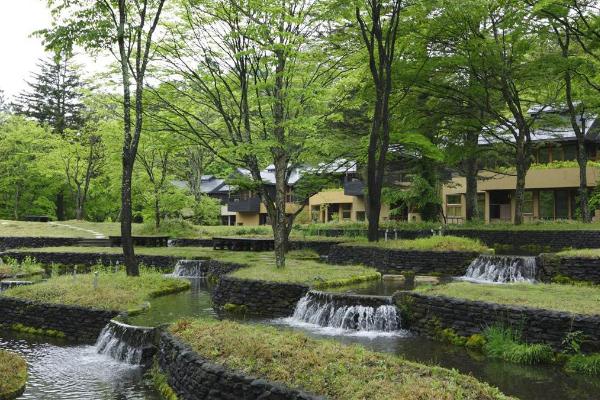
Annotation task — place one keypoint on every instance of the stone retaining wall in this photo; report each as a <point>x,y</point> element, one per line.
<point>76,323</point>
<point>426,315</point>
<point>576,268</point>
<point>259,298</point>
<point>7,243</point>
<point>195,378</point>
<point>163,262</point>
<point>392,261</point>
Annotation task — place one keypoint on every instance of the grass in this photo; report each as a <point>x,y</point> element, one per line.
<point>325,367</point>
<point>301,267</point>
<point>584,364</point>
<point>115,291</point>
<point>504,343</point>
<point>28,267</point>
<point>434,243</point>
<point>575,299</point>
<point>583,253</point>
<point>13,370</point>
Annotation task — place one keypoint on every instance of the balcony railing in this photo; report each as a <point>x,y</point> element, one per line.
<point>354,188</point>
<point>251,205</point>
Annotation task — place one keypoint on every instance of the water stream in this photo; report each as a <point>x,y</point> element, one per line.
<point>501,269</point>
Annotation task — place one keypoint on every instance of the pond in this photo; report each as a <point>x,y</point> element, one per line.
<point>63,371</point>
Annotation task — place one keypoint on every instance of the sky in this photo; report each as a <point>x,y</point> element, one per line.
<point>20,52</point>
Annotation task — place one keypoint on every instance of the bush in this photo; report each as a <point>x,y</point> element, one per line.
<point>476,341</point>
<point>584,364</point>
<point>207,211</point>
<point>504,343</point>
<point>169,227</point>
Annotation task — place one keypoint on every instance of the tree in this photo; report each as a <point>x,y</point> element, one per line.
<point>379,26</point>
<point>54,97</point>
<point>83,158</point>
<point>252,84</point>
<point>99,25</point>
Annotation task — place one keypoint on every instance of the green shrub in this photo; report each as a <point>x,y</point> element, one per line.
<point>504,343</point>
<point>584,364</point>
<point>450,336</point>
<point>476,341</point>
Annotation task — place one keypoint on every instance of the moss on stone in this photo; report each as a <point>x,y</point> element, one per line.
<point>13,375</point>
<point>37,331</point>
<point>235,309</point>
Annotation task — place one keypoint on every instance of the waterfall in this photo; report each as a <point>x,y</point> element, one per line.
<point>347,312</point>
<point>127,343</point>
<point>189,269</point>
<point>501,269</point>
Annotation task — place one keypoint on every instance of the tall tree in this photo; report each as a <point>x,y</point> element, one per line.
<point>126,28</point>
<point>379,26</point>
<point>251,86</point>
<point>54,96</point>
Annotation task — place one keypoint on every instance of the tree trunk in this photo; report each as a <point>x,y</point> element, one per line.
<point>471,170</point>
<point>156,210</point>
<point>60,205</point>
<point>131,264</point>
<point>520,189</point>
<point>583,190</point>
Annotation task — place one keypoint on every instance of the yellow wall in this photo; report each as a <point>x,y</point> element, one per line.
<point>338,197</point>
<point>247,219</point>
<point>537,178</point>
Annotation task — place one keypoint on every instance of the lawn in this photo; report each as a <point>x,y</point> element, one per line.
<point>583,253</point>
<point>434,243</point>
<point>13,371</point>
<point>575,299</point>
<point>115,291</point>
<point>261,264</point>
<point>325,367</point>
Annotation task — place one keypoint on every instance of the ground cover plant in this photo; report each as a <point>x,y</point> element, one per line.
<point>115,290</point>
<point>433,243</point>
<point>13,373</point>
<point>12,268</point>
<point>575,299</point>
<point>504,343</point>
<point>300,268</point>
<point>583,253</point>
<point>324,367</point>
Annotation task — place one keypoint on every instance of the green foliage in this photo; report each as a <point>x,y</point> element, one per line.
<point>239,310</point>
<point>207,211</point>
<point>574,299</point>
<point>115,291</point>
<point>27,267</point>
<point>572,342</point>
<point>433,243</point>
<point>584,364</point>
<point>13,370</point>
<point>323,367</point>
<point>450,336</point>
<point>161,383</point>
<point>476,341</point>
<point>169,227</point>
<point>504,343</point>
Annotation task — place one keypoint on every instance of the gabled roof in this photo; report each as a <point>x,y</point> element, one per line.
<point>209,184</point>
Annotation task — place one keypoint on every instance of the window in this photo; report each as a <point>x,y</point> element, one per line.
<point>453,205</point>
<point>543,157</point>
<point>528,203</point>
<point>557,154</point>
<point>346,211</point>
<point>481,205</point>
<point>360,216</point>
<point>570,151</point>
<point>561,202</point>
<point>547,204</point>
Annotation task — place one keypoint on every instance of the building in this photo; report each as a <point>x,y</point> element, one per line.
<point>246,205</point>
<point>551,184</point>
<point>216,188</point>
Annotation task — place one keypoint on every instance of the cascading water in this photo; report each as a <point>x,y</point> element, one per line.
<point>127,343</point>
<point>189,269</point>
<point>501,269</point>
<point>354,313</point>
